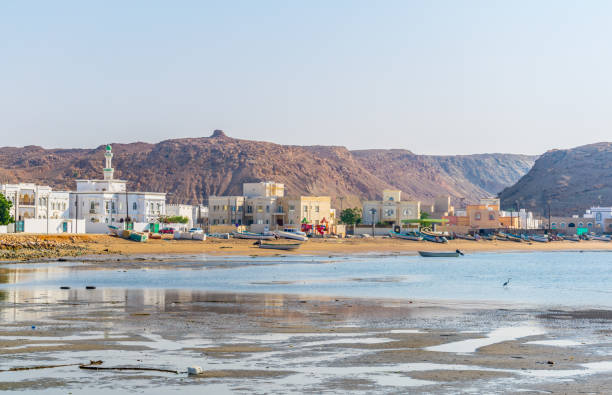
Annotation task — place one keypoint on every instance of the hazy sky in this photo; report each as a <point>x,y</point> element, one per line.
<point>439,77</point>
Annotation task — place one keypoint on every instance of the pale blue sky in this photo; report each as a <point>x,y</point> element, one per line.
<point>439,77</point>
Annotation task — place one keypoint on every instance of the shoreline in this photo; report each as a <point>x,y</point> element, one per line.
<point>30,247</point>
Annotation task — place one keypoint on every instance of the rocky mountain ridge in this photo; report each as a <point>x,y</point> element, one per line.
<point>190,169</point>
<point>569,180</point>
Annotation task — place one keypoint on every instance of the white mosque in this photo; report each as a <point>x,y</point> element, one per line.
<point>109,202</point>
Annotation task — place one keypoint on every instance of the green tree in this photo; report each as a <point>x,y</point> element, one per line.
<point>424,215</point>
<point>351,216</point>
<point>177,219</point>
<point>5,211</point>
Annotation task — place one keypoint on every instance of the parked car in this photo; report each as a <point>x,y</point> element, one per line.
<point>196,230</point>
<point>167,231</point>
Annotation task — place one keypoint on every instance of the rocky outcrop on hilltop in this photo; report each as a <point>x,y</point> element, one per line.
<point>570,180</point>
<point>191,169</point>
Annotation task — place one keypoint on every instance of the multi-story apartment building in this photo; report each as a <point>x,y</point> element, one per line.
<point>391,209</point>
<point>31,201</point>
<point>226,210</point>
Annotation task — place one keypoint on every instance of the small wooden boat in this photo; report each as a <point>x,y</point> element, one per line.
<point>465,237</point>
<point>293,235</point>
<point>599,238</point>
<point>440,254</point>
<point>278,246</point>
<point>254,236</point>
<point>114,230</point>
<point>140,237</point>
<point>434,239</point>
<point>570,237</point>
<point>405,236</point>
<point>539,239</point>
<point>489,237</point>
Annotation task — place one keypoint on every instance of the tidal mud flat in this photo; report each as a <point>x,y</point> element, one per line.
<point>278,343</point>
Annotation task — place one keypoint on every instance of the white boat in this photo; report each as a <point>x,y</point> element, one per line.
<point>540,239</point>
<point>301,236</point>
<point>254,236</point>
<point>599,238</point>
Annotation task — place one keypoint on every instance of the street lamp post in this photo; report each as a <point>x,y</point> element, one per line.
<point>373,211</point>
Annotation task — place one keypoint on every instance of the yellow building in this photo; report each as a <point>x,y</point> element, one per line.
<point>309,212</point>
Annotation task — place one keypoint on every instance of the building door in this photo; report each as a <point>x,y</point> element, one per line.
<point>64,227</point>
<point>18,226</point>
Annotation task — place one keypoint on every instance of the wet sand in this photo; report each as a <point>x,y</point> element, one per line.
<point>79,245</point>
<point>275,343</point>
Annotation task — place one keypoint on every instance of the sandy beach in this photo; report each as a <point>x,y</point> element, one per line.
<point>78,245</point>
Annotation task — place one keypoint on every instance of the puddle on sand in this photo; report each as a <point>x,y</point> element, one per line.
<point>495,336</point>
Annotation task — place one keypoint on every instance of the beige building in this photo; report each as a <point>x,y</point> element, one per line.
<point>264,188</point>
<point>226,210</point>
<point>391,209</point>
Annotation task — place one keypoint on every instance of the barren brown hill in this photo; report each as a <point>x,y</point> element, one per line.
<point>570,180</point>
<point>191,169</point>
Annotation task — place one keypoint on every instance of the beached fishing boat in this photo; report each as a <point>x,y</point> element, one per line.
<point>570,237</point>
<point>114,230</point>
<point>434,239</point>
<point>440,254</point>
<point>599,238</point>
<point>254,236</point>
<point>278,246</point>
<point>405,236</point>
<point>489,237</point>
<point>539,239</point>
<point>508,237</point>
<point>465,237</point>
<point>138,236</point>
<point>291,234</point>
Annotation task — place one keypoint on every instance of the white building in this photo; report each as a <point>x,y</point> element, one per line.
<point>31,201</point>
<point>601,217</point>
<point>109,202</point>
<point>181,210</point>
<point>39,209</point>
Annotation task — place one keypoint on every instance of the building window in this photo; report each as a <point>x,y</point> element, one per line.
<point>260,209</point>
<point>562,225</point>
<point>267,209</point>
<point>491,217</point>
<point>316,209</point>
<point>291,208</point>
<point>598,217</point>
<point>305,209</point>
<point>134,206</point>
<point>590,225</point>
<point>553,225</point>
<point>239,209</point>
<point>581,224</point>
<point>477,216</point>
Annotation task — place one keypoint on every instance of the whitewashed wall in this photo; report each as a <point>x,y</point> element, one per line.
<point>53,226</point>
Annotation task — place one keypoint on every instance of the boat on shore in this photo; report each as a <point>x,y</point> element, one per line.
<point>405,236</point>
<point>291,234</point>
<point>254,236</point>
<point>434,239</point>
<point>539,239</point>
<point>465,237</point>
<point>440,254</point>
<point>599,238</point>
<point>509,237</point>
<point>570,237</point>
<point>139,236</point>
<point>279,246</point>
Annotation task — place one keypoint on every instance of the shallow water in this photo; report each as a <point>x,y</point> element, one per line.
<point>542,278</point>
